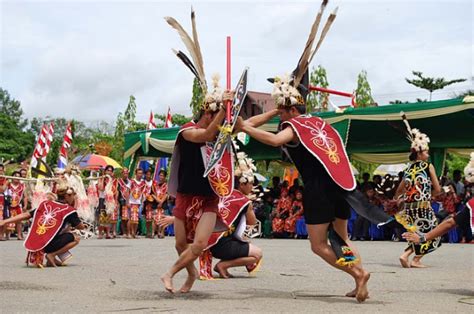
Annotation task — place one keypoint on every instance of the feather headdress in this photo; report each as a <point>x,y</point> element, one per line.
<point>245,168</point>
<point>469,170</point>
<point>419,141</point>
<point>283,95</point>
<point>212,100</point>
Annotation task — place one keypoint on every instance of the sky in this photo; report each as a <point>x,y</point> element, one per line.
<point>83,59</point>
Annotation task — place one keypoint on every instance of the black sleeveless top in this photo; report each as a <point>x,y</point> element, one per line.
<point>191,169</point>
<point>312,171</point>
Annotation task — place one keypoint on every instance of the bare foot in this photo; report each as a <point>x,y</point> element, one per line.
<point>352,294</point>
<point>362,291</point>
<point>51,260</point>
<point>221,270</point>
<point>168,282</point>
<point>188,284</point>
<point>404,262</point>
<point>417,264</point>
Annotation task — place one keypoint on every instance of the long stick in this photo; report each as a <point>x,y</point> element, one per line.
<point>228,85</point>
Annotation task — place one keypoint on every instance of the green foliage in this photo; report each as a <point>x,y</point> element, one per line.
<point>176,120</point>
<point>430,83</point>
<point>12,108</point>
<point>16,143</point>
<point>318,101</point>
<point>364,167</point>
<point>363,91</point>
<point>398,102</point>
<point>198,97</point>
<point>454,162</point>
<point>469,92</point>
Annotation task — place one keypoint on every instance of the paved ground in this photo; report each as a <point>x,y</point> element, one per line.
<point>123,276</point>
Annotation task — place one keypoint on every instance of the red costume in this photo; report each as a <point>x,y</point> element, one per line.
<point>137,189</point>
<point>47,222</point>
<point>16,192</point>
<point>230,208</point>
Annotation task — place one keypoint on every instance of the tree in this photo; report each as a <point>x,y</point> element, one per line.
<point>198,97</point>
<point>469,92</point>
<point>318,101</point>
<point>12,108</point>
<point>430,83</point>
<point>15,141</point>
<point>363,91</point>
<point>176,119</point>
<point>15,144</point>
<point>398,102</point>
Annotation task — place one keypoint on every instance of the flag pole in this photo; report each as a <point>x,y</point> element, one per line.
<point>228,85</point>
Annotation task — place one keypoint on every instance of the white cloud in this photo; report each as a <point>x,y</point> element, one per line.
<point>83,59</point>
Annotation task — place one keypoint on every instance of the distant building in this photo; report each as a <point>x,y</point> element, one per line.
<point>256,103</point>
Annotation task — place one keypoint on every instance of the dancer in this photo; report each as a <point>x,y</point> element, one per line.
<point>107,214</point>
<point>416,189</point>
<point>162,197</point>
<point>319,154</point>
<point>137,191</point>
<point>123,196</point>
<point>3,202</point>
<point>150,202</point>
<point>196,203</point>
<point>232,247</point>
<point>18,202</point>
<point>463,218</point>
<point>50,235</point>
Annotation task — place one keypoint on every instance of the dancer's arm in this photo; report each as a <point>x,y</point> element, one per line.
<point>441,229</point>
<point>434,181</point>
<point>250,216</point>
<point>262,118</point>
<point>17,218</point>
<point>279,139</point>
<point>165,221</point>
<point>209,134</point>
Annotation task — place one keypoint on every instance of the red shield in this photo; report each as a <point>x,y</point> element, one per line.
<point>324,143</point>
<point>47,222</point>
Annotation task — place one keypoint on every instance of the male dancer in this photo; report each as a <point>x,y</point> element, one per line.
<point>232,248</point>
<point>18,201</point>
<point>3,203</point>
<point>137,191</point>
<point>150,202</point>
<point>162,196</point>
<point>196,203</point>
<point>106,187</point>
<point>319,154</point>
<point>123,197</point>
<point>49,233</point>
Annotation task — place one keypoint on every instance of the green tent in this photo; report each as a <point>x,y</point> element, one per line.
<point>375,134</point>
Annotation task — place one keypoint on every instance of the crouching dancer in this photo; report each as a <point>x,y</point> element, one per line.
<point>50,235</point>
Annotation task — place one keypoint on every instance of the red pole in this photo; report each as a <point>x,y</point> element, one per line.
<point>228,86</point>
<point>330,91</point>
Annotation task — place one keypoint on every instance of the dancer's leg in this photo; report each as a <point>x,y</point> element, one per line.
<point>254,255</point>
<point>203,232</point>
<point>340,226</point>
<point>319,245</point>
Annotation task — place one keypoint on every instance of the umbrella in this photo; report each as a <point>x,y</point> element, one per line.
<point>390,169</point>
<point>94,162</point>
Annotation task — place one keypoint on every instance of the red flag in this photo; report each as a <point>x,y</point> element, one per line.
<point>49,139</point>
<point>38,152</point>
<point>151,122</point>
<point>168,123</point>
<point>62,162</point>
